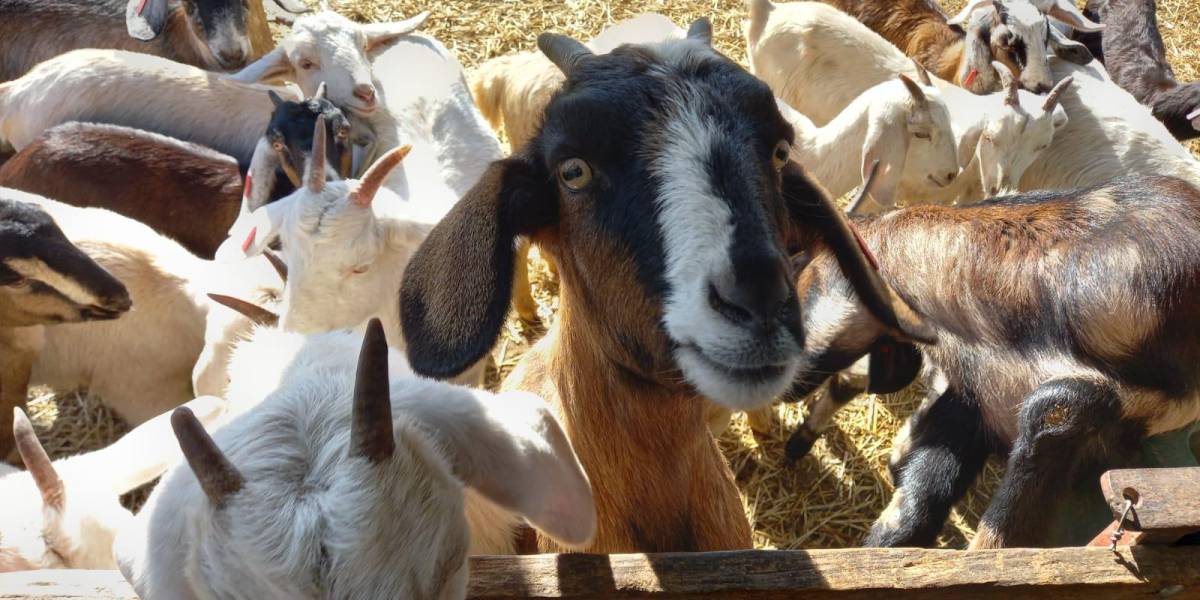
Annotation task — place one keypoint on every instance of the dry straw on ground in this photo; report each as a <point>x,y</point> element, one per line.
<point>830,498</point>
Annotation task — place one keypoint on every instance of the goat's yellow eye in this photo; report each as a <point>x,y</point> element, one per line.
<point>780,156</point>
<point>920,135</point>
<point>18,283</point>
<point>306,64</point>
<point>575,173</point>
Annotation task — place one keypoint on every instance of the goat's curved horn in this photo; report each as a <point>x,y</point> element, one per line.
<point>373,179</point>
<point>1012,85</point>
<point>371,434</point>
<point>917,93</point>
<point>217,476</point>
<point>320,95</point>
<point>566,53</point>
<point>701,31</point>
<point>922,73</point>
<point>314,176</point>
<point>36,461</point>
<point>1053,97</point>
<point>254,312</point>
<point>276,263</point>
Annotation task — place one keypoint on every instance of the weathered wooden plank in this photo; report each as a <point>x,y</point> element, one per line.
<point>1166,501</point>
<point>1064,573</point>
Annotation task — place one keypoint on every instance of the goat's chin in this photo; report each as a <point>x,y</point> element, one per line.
<point>735,387</point>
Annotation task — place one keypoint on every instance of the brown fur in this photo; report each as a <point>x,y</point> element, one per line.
<point>182,190</point>
<point>917,27</point>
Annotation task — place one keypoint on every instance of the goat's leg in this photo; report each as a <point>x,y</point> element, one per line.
<point>18,349</point>
<point>839,392</point>
<point>1062,423</point>
<point>944,451</point>
<point>522,292</point>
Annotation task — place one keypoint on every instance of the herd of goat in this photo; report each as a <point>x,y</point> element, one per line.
<point>287,265</point>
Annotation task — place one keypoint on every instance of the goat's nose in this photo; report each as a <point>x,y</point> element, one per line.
<point>118,302</point>
<point>365,92</point>
<point>232,57</point>
<point>950,175</point>
<point>755,296</point>
<point>1041,88</point>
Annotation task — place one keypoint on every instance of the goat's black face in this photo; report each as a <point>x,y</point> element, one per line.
<point>45,279</point>
<point>667,160</point>
<point>291,135</point>
<point>221,26</point>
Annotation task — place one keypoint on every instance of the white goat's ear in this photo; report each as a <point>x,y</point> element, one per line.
<point>887,145</point>
<point>144,19</point>
<point>1065,12</point>
<point>512,450</point>
<point>381,36</point>
<point>254,231</point>
<point>968,10</point>
<point>274,65</point>
<point>968,144</point>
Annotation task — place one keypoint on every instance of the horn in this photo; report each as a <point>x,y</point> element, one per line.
<point>277,263</point>
<point>371,434</point>
<point>320,95</point>
<point>373,179</point>
<point>254,312</point>
<point>922,73</point>
<point>1053,97</point>
<point>917,93</point>
<point>566,53</point>
<point>314,178</point>
<point>275,99</point>
<point>218,478</point>
<point>36,461</point>
<point>1011,83</point>
<point>701,31</point>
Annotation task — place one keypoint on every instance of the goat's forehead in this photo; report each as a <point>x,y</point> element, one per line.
<point>1024,18</point>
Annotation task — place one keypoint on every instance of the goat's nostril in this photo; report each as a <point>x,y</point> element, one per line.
<point>232,57</point>
<point>758,297</point>
<point>366,93</point>
<point>950,176</point>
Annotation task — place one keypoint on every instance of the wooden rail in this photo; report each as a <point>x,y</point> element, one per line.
<point>1062,574</point>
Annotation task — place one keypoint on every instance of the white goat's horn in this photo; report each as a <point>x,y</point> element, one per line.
<point>371,426</point>
<point>276,263</point>
<point>320,95</point>
<point>373,179</point>
<point>565,52</point>
<point>36,461</point>
<point>254,312</point>
<point>1053,97</point>
<point>922,73</point>
<point>217,476</point>
<point>1012,85</point>
<point>314,177</point>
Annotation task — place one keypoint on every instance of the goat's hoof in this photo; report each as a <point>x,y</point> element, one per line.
<point>798,446</point>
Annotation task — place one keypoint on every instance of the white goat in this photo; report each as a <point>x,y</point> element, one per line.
<point>225,113</point>
<point>344,482</point>
<point>1110,134</point>
<point>141,364</point>
<point>66,514</point>
<point>346,248</point>
<point>905,127</point>
<point>818,60</point>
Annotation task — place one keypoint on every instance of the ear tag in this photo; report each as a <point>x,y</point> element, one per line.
<point>250,240</point>
<point>141,7</point>
<point>971,77</point>
<point>857,238</point>
<point>246,191</point>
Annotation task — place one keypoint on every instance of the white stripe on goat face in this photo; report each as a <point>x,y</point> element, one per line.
<point>35,269</point>
<point>729,364</point>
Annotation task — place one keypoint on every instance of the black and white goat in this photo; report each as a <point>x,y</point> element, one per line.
<point>1065,336</point>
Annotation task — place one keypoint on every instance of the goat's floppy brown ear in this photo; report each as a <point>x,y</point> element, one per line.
<point>144,19</point>
<point>811,209</point>
<point>457,288</point>
<point>893,365</point>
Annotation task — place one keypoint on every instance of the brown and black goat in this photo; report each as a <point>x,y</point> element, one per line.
<point>1013,32</point>
<point>1066,334</point>
<point>222,35</point>
<point>660,183</point>
<point>1132,50</point>
<point>44,280</point>
<point>182,190</point>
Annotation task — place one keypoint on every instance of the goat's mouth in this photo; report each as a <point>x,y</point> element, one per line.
<point>100,313</point>
<point>739,384</point>
<point>361,108</point>
<point>935,182</point>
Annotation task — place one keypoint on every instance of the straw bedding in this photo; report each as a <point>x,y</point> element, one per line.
<point>830,499</point>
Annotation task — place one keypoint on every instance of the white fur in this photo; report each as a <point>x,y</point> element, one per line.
<point>883,124</point>
<point>819,59</point>
<point>346,261</point>
<point>312,521</point>
<point>80,534</point>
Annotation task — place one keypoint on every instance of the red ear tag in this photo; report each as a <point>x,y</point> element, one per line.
<point>971,77</point>
<point>863,245</point>
<point>249,186</point>
<point>250,240</point>
<point>141,7</point>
